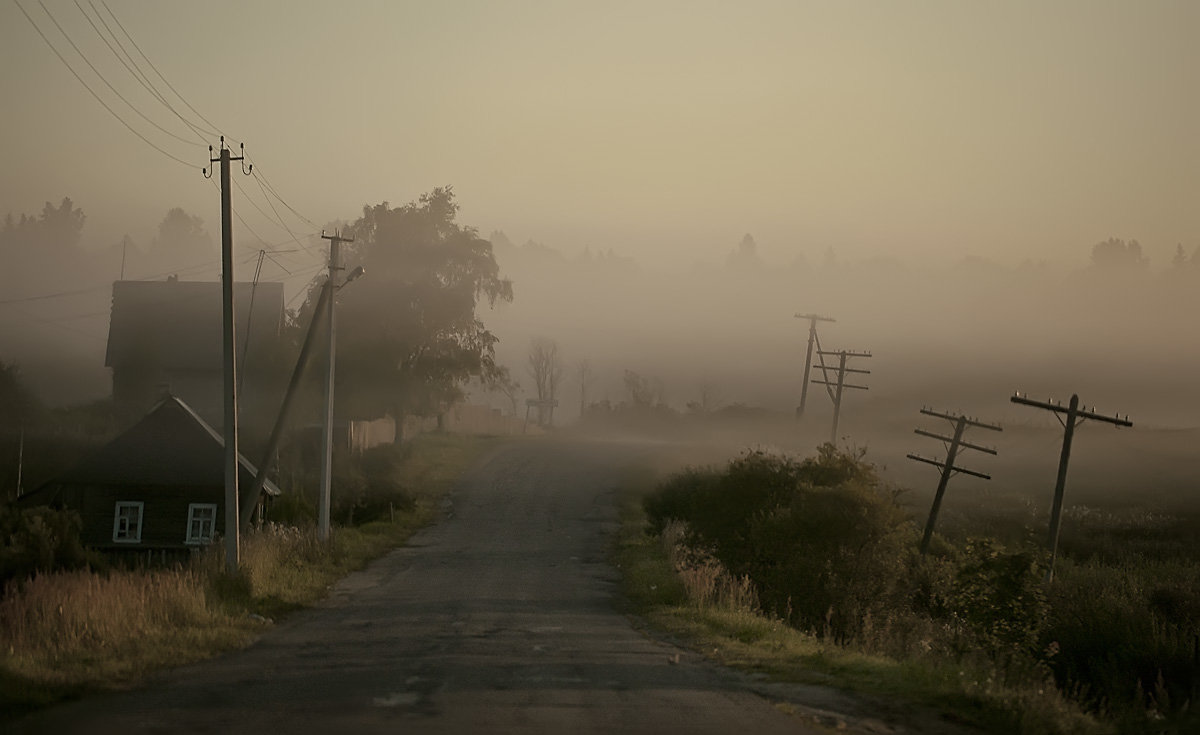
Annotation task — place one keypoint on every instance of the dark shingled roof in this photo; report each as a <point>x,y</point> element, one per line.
<point>177,324</point>
<point>172,446</point>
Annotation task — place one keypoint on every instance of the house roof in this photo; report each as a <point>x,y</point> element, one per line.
<point>171,446</point>
<point>177,324</point>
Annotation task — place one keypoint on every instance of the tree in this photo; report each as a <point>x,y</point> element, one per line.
<point>586,377</point>
<point>409,336</point>
<point>546,369</point>
<point>502,382</point>
<point>643,392</point>
<point>182,234</point>
<point>18,406</point>
<point>1114,254</point>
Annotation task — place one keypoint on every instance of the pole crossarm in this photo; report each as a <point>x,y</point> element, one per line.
<point>955,417</point>
<point>860,371</point>
<point>968,445</point>
<point>813,339</point>
<point>1081,413</point>
<point>948,467</point>
<point>847,353</point>
<point>1073,413</point>
<point>942,465</point>
<point>844,385</point>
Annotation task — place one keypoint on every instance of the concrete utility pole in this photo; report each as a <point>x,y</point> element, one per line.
<point>812,339</point>
<point>836,388</point>
<point>335,240</point>
<point>230,433</point>
<point>953,444</point>
<point>250,498</point>
<point>1074,415</point>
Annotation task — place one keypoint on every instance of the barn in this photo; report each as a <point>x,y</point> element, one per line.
<point>159,486</point>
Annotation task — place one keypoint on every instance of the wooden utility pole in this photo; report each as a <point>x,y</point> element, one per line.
<point>841,383</point>
<point>1074,416</point>
<point>335,240</point>
<point>230,432</point>
<point>812,340</point>
<point>948,468</point>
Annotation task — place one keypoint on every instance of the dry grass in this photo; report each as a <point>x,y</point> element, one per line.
<point>707,582</point>
<point>68,633</point>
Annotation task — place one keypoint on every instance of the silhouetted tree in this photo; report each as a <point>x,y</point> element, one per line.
<point>546,369</point>
<point>1114,254</point>
<point>409,335</point>
<point>181,234</point>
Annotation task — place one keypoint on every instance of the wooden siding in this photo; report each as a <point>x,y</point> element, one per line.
<point>164,513</point>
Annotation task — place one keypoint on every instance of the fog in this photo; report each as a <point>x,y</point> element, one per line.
<point>666,187</point>
<point>964,334</point>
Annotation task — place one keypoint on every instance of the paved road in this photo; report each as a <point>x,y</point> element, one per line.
<point>500,618</point>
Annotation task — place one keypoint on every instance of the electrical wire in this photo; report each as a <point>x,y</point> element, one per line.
<point>160,74</point>
<point>131,66</point>
<point>103,104</point>
<point>109,84</point>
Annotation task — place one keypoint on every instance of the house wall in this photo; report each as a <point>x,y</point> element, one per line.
<point>164,513</point>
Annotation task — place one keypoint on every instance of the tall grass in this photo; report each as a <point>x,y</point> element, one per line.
<point>69,632</point>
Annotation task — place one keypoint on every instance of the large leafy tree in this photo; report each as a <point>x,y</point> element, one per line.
<point>409,335</point>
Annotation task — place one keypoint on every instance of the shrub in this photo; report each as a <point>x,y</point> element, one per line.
<point>825,545</point>
<point>38,540</point>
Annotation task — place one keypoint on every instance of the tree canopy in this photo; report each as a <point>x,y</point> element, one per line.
<point>409,334</point>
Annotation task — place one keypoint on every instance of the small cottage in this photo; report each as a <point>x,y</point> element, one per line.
<point>168,334</point>
<point>160,486</point>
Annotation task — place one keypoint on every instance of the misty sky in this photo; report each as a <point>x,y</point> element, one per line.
<point>662,129</point>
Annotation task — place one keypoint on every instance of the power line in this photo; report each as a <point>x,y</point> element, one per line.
<point>160,74</point>
<point>103,104</point>
<point>134,70</point>
<point>270,188</point>
<point>109,84</point>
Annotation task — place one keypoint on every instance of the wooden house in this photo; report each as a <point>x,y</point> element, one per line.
<point>159,486</point>
<point>166,336</point>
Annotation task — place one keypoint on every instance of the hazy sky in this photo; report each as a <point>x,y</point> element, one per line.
<point>1014,130</point>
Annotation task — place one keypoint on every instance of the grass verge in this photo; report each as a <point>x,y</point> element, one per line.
<point>718,619</point>
<point>64,635</point>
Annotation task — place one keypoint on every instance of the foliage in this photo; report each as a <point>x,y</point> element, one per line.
<point>1114,254</point>
<point>408,333</point>
<point>183,234</point>
<point>18,406</point>
<point>38,540</point>
<point>823,542</point>
<point>1000,596</point>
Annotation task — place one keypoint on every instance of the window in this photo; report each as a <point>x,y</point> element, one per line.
<point>127,522</point>
<point>202,520</point>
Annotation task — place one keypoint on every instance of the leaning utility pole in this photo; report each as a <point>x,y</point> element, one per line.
<point>251,497</point>
<point>230,433</point>
<point>335,240</point>
<point>836,395</point>
<point>812,339</point>
<point>1074,415</point>
<point>948,468</point>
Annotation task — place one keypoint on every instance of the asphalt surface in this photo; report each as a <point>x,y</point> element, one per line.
<point>500,618</point>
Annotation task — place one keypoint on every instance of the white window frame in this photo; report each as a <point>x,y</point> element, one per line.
<point>212,527</point>
<point>134,534</point>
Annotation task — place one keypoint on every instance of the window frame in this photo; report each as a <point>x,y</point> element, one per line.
<point>136,536</point>
<point>190,540</point>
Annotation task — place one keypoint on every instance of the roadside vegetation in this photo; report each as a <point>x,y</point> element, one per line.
<point>808,571</point>
<point>73,622</point>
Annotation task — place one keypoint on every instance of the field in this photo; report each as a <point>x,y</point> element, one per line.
<point>1118,640</point>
